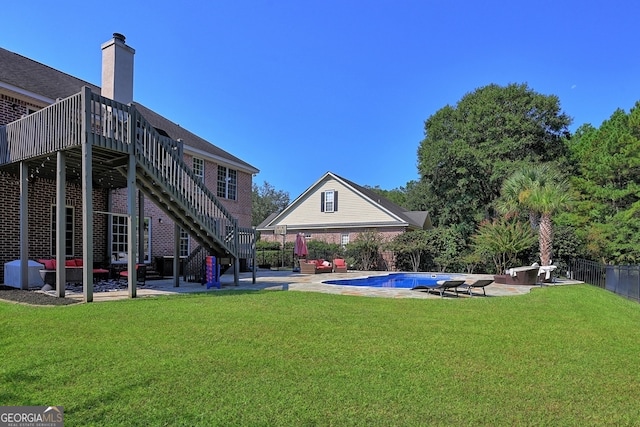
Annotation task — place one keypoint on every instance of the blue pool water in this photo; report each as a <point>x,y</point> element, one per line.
<point>394,280</point>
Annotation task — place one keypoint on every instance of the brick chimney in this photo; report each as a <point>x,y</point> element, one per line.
<point>117,70</point>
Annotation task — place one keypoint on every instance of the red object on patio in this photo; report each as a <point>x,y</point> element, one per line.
<point>300,249</point>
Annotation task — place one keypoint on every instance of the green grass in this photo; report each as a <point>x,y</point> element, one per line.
<point>565,355</point>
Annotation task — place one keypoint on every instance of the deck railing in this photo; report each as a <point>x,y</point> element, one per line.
<point>51,129</point>
<point>114,126</point>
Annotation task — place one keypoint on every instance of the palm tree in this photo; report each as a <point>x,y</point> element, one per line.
<point>540,191</point>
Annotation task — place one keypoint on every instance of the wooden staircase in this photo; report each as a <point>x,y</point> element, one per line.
<point>116,132</point>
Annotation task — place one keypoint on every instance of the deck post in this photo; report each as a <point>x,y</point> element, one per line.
<point>61,223</point>
<point>254,266</point>
<point>176,255</point>
<point>87,197</point>
<point>24,225</point>
<point>131,206</point>
<point>141,228</point>
<point>236,244</point>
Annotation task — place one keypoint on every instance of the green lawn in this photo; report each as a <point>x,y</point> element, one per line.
<point>564,355</point>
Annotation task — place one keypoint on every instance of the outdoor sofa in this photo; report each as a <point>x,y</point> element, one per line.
<point>72,268</point>
<point>527,276</point>
<point>315,266</point>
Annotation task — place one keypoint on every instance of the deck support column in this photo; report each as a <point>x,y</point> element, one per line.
<point>61,223</point>
<point>87,197</point>
<point>24,225</point>
<point>176,255</point>
<point>236,244</point>
<point>141,258</point>
<point>131,208</point>
<point>87,222</point>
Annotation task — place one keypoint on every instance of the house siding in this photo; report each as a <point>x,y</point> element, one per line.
<point>352,209</point>
<point>359,210</point>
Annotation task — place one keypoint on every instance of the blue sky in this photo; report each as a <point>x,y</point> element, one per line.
<point>299,88</point>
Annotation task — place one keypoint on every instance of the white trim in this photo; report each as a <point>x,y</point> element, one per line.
<point>219,160</point>
<point>26,93</point>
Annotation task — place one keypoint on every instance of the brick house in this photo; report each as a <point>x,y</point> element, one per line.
<point>335,210</point>
<point>153,189</point>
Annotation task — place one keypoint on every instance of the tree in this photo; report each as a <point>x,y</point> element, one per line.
<point>410,245</point>
<point>503,239</point>
<point>608,184</point>
<point>365,249</point>
<point>540,191</point>
<point>428,250</point>
<point>265,201</point>
<point>397,195</point>
<point>469,149</point>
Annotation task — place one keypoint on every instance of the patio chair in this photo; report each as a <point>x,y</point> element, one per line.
<point>339,265</point>
<point>141,275</point>
<point>441,286</point>
<point>477,284</point>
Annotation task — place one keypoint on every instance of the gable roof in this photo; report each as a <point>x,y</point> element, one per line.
<point>412,219</point>
<point>33,78</point>
<point>387,204</point>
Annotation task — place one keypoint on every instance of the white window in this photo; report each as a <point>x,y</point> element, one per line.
<point>119,237</point>
<point>119,234</point>
<point>198,169</point>
<point>329,201</point>
<point>227,183</point>
<point>184,243</point>
<point>344,239</point>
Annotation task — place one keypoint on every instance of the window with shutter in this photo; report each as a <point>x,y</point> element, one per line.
<point>329,201</point>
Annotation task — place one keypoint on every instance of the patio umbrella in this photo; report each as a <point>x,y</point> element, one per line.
<point>300,249</point>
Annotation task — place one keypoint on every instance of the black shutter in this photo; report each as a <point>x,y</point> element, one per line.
<point>322,202</point>
<point>335,201</point>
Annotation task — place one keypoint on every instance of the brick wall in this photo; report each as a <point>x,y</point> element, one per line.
<point>332,236</point>
<point>12,109</point>
<point>162,233</point>
<point>335,236</point>
<point>42,195</point>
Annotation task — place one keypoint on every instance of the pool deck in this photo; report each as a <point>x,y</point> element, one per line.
<point>290,281</point>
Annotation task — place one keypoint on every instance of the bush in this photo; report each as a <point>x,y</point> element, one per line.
<point>365,250</point>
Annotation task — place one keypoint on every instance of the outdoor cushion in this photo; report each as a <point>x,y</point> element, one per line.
<point>78,262</point>
<point>326,263</point>
<point>70,263</point>
<point>48,264</point>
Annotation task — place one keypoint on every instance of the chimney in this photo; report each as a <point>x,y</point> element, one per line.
<point>117,70</point>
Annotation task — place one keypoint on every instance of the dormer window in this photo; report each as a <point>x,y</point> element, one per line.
<point>329,201</point>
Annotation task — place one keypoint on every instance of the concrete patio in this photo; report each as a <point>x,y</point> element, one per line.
<point>289,281</point>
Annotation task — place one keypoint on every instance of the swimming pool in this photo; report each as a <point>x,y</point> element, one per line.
<point>394,280</point>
